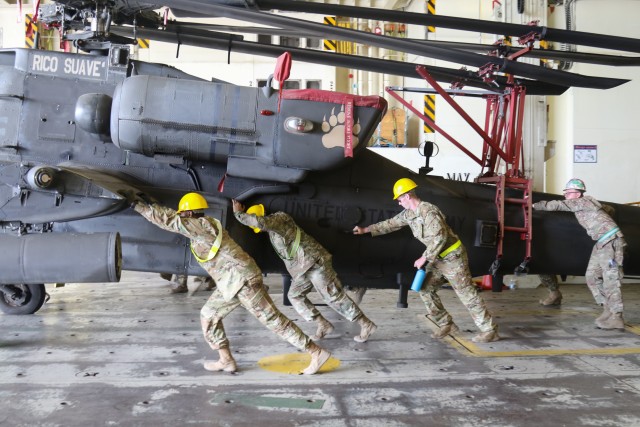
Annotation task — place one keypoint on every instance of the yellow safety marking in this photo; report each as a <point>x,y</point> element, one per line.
<point>468,347</point>
<point>431,10</point>
<point>345,46</point>
<point>330,44</point>
<point>330,20</point>
<point>294,363</point>
<point>30,31</point>
<point>476,351</point>
<point>143,43</point>
<point>429,111</point>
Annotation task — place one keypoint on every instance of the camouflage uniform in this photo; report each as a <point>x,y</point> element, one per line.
<point>604,272</point>
<point>429,226</point>
<point>309,267</point>
<point>178,282</point>
<point>205,283</point>
<point>237,276</point>
<point>549,281</point>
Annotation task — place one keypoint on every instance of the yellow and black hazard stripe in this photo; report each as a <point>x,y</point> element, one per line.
<point>30,32</point>
<point>143,43</point>
<point>327,44</point>
<point>429,112</point>
<point>431,10</point>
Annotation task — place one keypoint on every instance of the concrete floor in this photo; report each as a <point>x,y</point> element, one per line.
<point>130,354</point>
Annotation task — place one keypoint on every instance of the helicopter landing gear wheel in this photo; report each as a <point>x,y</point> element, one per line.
<point>21,299</point>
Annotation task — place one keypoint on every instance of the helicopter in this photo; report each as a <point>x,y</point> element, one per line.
<point>81,130</point>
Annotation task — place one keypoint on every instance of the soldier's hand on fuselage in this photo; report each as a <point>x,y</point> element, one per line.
<point>237,206</point>
<point>360,230</point>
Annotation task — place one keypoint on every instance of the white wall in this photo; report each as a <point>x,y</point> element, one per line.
<point>12,24</point>
<point>609,119</point>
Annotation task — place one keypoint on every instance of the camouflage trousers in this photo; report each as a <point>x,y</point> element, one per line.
<point>549,281</point>
<point>254,297</point>
<point>604,274</point>
<point>324,279</point>
<point>180,280</point>
<point>454,268</point>
<point>204,283</point>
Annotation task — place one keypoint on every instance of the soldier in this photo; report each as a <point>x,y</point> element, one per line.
<point>604,271</point>
<point>237,276</point>
<point>550,281</point>
<point>447,259</point>
<point>309,265</point>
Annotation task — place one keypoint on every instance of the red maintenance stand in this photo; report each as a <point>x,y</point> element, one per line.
<point>502,144</point>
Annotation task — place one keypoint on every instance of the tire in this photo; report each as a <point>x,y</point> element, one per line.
<point>22,299</point>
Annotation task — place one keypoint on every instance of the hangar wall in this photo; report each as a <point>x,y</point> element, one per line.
<point>607,119</point>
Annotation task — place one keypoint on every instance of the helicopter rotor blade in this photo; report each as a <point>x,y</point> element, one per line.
<point>501,49</point>
<point>465,24</point>
<point>236,28</point>
<point>503,65</point>
<point>229,42</point>
<point>550,54</point>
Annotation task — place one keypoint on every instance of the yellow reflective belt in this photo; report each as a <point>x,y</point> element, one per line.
<point>450,249</point>
<point>216,244</point>
<point>296,244</point>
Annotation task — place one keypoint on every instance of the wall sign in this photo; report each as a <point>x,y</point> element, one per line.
<point>585,154</point>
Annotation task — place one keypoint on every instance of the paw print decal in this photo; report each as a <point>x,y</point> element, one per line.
<point>334,130</point>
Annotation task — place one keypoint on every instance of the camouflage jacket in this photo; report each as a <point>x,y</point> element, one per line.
<point>282,233</point>
<point>231,268</point>
<point>591,214</point>
<point>428,225</point>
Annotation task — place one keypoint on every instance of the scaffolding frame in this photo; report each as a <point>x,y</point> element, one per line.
<point>502,145</point>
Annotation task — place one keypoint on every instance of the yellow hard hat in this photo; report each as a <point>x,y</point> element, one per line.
<point>257,210</point>
<point>403,185</point>
<point>192,202</point>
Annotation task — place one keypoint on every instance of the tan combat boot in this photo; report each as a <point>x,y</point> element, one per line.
<point>449,328</point>
<point>324,328</point>
<point>604,316</point>
<point>178,284</point>
<point>358,293</point>
<point>554,298</point>
<point>319,357</point>
<point>177,288</point>
<point>614,321</point>
<point>226,362</point>
<point>367,327</point>
<point>489,336</point>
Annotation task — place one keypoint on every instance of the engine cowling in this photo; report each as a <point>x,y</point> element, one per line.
<point>259,133</point>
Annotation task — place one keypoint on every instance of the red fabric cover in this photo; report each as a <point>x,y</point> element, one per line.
<point>335,97</point>
<point>283,68</point>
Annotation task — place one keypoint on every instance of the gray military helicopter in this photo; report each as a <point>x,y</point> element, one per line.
<point>81,130</point>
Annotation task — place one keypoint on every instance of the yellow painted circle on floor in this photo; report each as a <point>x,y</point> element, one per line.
<point>294,363</point>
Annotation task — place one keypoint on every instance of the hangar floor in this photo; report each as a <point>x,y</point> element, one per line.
<point>130,354</point>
